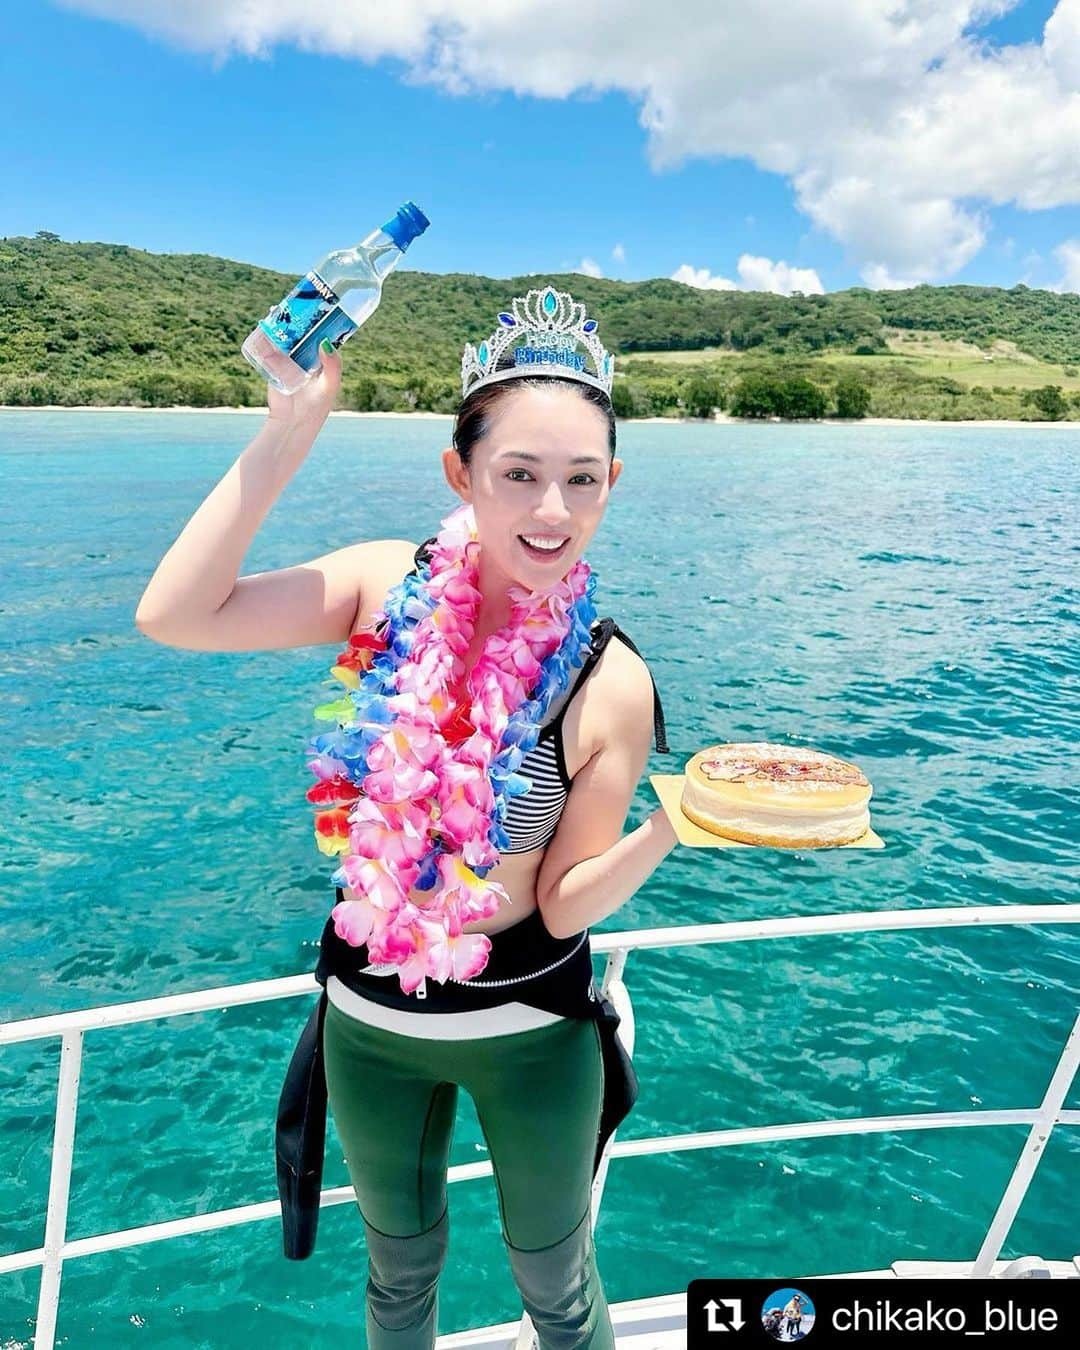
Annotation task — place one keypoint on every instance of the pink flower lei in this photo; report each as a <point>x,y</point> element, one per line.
<point>413,788</point>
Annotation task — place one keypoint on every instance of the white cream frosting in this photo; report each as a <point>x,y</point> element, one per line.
<point>842,822</point>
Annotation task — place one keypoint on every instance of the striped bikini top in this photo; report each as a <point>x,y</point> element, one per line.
<point>532,818</point>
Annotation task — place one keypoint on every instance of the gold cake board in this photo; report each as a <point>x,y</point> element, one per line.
<point>668,787</point>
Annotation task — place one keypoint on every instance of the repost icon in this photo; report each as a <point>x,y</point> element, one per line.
<point>723,1314</point>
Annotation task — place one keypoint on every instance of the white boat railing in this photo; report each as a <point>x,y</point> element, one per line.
<point>71,1027</point>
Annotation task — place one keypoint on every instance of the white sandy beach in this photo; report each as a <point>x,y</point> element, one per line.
<point>674,421</point>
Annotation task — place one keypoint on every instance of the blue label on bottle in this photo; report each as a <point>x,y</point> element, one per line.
<point>335,325</point>
<point>310,312</point>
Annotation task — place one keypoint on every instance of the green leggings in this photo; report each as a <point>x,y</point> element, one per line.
<point>537,1095</point>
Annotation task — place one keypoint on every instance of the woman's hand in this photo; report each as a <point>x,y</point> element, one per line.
<point>313,401</point>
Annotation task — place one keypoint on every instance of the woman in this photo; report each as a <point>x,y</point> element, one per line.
<point>518,1022</point>
<point>793,1314</point>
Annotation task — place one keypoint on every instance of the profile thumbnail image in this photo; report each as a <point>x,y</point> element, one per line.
<point>788,1314</point>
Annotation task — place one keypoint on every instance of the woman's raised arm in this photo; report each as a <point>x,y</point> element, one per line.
<point>314,602</point>
<point>195,599</point>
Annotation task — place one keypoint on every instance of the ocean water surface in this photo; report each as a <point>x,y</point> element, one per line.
<point>904,597</point>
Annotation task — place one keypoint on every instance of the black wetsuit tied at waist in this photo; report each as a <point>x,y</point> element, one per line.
<point>525,964</point>
<point>568,990</point>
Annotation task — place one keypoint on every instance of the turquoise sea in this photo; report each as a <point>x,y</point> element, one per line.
<point>902,596</point>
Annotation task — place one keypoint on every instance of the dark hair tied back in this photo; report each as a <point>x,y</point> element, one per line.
<point>473,418</point>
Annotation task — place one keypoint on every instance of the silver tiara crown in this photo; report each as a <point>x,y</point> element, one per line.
<point>549,326</point>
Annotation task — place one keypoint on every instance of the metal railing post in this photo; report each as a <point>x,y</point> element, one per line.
<point>1030,1156</point>
<point>612,986</point>
<point>67,1107</point>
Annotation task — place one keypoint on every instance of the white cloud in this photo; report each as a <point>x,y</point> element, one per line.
<point>1031,261</point>
<point>1068,254</point>
<point>762,274</point>
<point>879,278</point>
<point>702,278</point>
<point>896,124</point>
<point>590,267</point>
<point>619,253</point>
<point>1061,45</point>
<point>755,274</point>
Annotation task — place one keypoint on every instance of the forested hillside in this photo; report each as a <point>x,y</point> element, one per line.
<point>104,323</point>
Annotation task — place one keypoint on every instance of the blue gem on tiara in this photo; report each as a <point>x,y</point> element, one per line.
<point>545,328</point>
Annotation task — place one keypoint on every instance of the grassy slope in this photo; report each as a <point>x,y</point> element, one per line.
<point>929,354</point>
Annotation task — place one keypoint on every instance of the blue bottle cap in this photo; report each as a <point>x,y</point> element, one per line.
<point>407,222</point>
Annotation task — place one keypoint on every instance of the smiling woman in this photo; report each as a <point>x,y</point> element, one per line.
<point>535,507</point>
<point>474,788</point>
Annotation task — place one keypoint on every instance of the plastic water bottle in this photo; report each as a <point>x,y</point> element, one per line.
<point>331,301</point>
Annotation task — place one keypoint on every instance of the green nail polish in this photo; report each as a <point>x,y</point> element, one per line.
<point>326,345</point>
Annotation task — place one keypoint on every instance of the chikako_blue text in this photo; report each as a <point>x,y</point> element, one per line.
<point>887,1315</point>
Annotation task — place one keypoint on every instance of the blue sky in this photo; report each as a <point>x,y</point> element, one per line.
<point>150,124</point>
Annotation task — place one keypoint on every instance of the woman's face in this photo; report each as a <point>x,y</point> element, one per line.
<point>542,472</point>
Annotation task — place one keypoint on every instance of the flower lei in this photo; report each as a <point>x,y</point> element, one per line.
<point>415,782</point>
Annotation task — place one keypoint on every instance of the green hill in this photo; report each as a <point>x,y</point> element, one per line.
<point>91,323</point>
